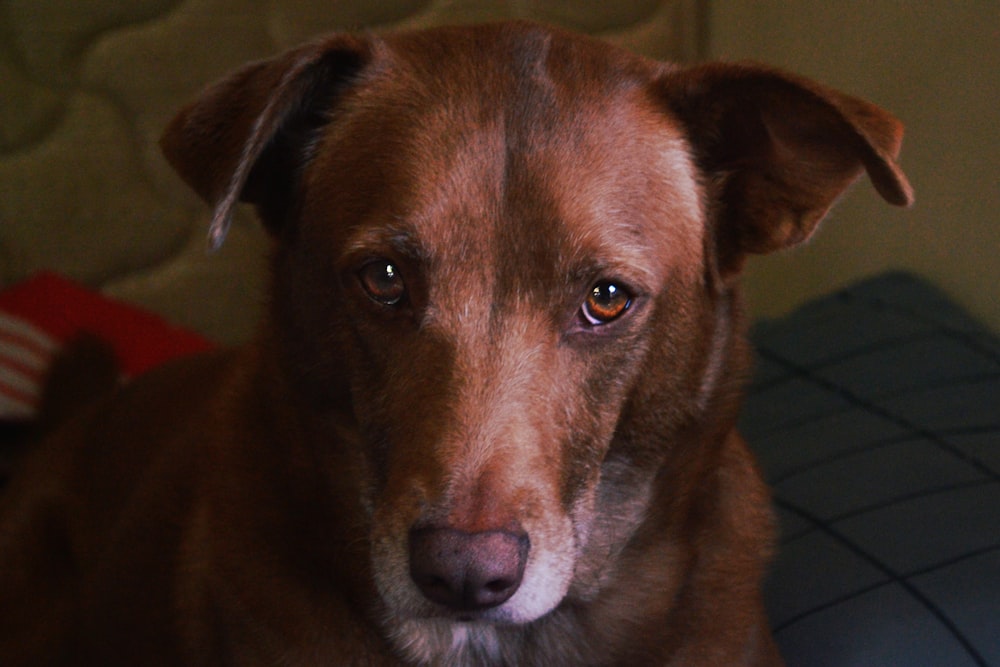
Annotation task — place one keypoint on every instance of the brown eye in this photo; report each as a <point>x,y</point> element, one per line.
<point>605,302</point>
<point>382,281</point>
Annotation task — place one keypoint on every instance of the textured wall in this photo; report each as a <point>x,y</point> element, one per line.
<point>87,86</point>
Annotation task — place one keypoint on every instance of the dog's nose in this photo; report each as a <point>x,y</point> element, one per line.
<point>467,571</point>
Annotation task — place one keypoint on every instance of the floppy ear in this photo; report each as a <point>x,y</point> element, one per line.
<point>777,150</point>
<point>248,136</point>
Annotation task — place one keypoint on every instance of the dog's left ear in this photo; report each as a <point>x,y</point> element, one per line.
<point>248,136</point>
<point>776,151</point>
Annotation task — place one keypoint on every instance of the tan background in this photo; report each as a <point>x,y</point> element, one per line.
<point>936,65</point>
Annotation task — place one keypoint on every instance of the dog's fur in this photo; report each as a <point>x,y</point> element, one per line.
<point>285,503</point>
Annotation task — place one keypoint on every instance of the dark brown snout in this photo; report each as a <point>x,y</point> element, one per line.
<point>467,571</point>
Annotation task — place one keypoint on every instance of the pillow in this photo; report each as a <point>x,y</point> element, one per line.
<point>39,316</point>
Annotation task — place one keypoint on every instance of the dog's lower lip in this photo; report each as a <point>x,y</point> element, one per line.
<point>472,617</point>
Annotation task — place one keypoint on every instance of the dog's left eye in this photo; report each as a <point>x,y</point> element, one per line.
<point>606,302</point>
<point>382,281</point>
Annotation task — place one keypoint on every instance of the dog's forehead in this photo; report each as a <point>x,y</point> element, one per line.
<point>523,150</point>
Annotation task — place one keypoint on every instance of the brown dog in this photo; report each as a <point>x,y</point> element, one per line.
<point>489,419</point>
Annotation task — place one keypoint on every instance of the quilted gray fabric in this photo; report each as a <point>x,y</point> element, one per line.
<point>876,415</point>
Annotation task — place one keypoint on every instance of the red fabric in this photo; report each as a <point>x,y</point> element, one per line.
<point>39,316</point>
<point>65,309</point>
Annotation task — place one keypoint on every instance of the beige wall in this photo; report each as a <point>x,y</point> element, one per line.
<point>936,65</point>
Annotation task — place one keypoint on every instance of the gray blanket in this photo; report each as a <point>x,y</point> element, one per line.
<point>876,415</point>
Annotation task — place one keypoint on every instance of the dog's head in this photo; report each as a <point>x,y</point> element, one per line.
<point>505,259</point>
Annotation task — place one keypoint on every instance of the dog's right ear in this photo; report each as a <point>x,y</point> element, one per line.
<point>248,136</point>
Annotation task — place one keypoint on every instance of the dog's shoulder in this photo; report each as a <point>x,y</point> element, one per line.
<point>113,440</point>
<point>72,504</point>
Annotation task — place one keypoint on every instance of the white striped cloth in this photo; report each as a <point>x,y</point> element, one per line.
<point>25,354</point>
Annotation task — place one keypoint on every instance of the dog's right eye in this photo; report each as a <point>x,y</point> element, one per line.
<point>382,282</point>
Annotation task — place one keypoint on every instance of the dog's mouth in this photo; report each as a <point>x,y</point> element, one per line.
<point>457,632</point>
<point>494,616</point>
<point>445,641</point>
